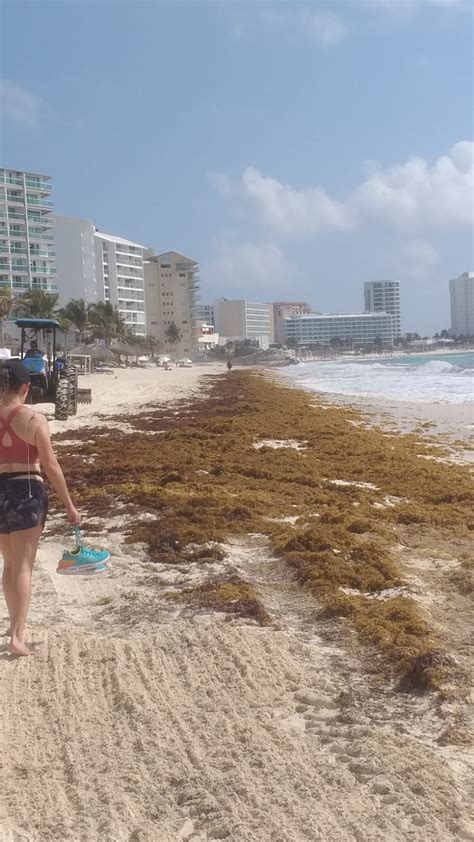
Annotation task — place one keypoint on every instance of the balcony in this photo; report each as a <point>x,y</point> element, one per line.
<point>12,250</point>
<point>18,199</point>
<point>34,254</point>
<point>38,234</point>
<point>187,267</point>
<point>13,215</point>
<point>41,270</point>
<point>44,186</point>
<point>41,284</point>
<point>45,203</point>
<point>12,180</point>
<point>43,220</point>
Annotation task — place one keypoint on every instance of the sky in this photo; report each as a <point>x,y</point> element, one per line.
<point>295,150</point>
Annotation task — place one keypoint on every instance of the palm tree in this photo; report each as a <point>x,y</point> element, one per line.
<point>39,304</point>
<point>6,302</point>
<point>173,334</point>
<point>152,345</point>
<point>66,325</point>
<point>77,312</point>
<point>106,321</point>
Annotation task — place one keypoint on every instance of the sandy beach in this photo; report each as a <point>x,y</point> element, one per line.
<point>140,719</point>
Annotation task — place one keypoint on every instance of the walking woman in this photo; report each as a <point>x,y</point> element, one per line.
<point>25,448</point>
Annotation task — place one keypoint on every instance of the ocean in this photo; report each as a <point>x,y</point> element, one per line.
<point>422,378</point>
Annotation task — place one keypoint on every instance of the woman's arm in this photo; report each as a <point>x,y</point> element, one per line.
<point>52,468</point>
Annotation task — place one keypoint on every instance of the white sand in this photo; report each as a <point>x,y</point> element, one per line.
<point>140,720</point>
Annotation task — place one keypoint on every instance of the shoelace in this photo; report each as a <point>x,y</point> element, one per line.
<point>86,551</point>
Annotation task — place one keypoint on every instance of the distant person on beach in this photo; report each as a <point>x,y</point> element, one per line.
<point>229,365</point>
<point>25,448</point>
<point>34,351</point>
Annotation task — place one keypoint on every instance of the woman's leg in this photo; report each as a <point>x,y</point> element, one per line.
<point>23,547</point>
<point>7,576</point>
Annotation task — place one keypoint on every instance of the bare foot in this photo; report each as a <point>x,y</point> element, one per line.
<point>17,647</point>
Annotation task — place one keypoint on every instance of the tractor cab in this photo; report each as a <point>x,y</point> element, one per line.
<point>38,354</point>
<point>52,378</point>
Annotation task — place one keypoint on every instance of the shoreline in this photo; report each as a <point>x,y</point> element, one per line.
<point>451,423</point>
<point>389,355</point>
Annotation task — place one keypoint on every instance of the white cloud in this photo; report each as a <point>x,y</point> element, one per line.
<point>19,104</point>
<point>241,267</point>
<point>414,195</point>
<point>289,210</point>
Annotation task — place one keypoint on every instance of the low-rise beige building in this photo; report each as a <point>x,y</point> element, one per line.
<point>171,295</point>
<point>242,319</point>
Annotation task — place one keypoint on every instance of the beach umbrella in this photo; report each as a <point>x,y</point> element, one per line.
<point>98,352</point>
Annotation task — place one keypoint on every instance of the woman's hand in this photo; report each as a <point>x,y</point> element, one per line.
<point>73,515</point>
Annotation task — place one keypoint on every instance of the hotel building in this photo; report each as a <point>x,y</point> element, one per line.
<point>461,291</point>
<point>27,255</point>
<point>172,298</point>
<point>384,297</point>
<point>282,310</point>
<point>360,328</point>
<point>242,319</point>
<point>100,267</point>
<point>206,314</point>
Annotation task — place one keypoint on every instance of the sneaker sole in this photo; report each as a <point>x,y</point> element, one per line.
<point>76,570</point>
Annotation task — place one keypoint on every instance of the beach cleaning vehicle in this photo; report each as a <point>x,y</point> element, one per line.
<point>53,379</point>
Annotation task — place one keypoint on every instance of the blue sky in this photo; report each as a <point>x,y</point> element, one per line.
<point>294,149</point>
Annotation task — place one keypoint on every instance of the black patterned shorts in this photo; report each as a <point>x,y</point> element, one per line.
<point>20,509</point>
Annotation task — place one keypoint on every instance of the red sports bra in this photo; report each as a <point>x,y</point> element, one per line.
<point>19,450</point>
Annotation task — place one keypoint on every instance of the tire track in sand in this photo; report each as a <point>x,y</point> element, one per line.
<point>197,734</point>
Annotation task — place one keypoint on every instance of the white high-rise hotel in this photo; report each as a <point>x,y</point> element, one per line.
<point>461,291</point>
<point>384,297</point>
<point>27,256</point>
<point>100,267</point>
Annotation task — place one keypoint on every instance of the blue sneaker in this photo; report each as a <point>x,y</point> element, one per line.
<point>85,556</point>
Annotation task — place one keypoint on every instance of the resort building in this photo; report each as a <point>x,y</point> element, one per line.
<point>242,319</point>
<point>172,292</point>
<point>282,310</point>
<point>27,255</point>
<point>461,291</point>
<point>321,328</point>
<point>100,267</point>
<point>207,338</point>
<point>206,314</point>
<point>384,297</point>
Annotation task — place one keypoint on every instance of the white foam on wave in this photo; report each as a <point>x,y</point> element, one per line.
<point>395,379</point>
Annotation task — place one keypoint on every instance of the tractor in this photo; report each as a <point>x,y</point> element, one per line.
<point>53,380</point>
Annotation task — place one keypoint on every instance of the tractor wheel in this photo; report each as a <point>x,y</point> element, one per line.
<point>61,403</point>
<point>70,373</point>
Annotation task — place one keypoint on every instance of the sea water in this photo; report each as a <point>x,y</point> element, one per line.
<point>435,377</point>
